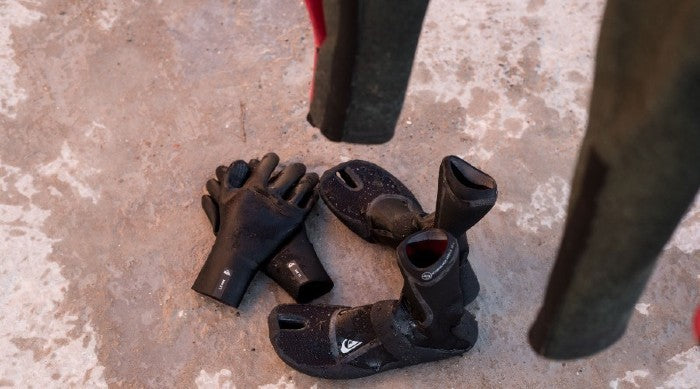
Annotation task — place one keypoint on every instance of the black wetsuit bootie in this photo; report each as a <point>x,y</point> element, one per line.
<point>380,209</point>
<point>428,322</point>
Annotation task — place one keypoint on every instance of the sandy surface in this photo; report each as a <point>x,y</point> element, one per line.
<point>114,113</point>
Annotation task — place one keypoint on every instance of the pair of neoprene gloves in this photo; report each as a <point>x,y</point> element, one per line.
<point>258,217</point>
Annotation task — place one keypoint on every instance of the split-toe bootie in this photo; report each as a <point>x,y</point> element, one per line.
<point>379,208</point>
<point>428,322</point>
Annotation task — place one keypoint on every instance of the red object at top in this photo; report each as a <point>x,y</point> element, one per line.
<point>318,23</point>
<point>315,8</point>
<point>697,324</point>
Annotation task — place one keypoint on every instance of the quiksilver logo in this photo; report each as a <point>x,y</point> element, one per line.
<point>224,278</point>
<point>428,275</point>
<point>295,269</point>
<point>348,345</point>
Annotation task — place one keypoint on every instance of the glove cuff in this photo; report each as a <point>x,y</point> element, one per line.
<point>224,277</point>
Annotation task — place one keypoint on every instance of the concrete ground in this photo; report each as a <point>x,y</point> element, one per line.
<point>113,114</point>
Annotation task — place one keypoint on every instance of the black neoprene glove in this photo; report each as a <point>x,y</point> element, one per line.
<point>254,220</point>
<point>294,266</point>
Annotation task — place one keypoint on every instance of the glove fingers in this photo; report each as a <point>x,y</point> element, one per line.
<point>236,174</point>
<point>289,176</point>
<point>214,188</point>
<point>211,209</point>
<point>303,195</point>
<point>261,174</point>
<point>221,173</point>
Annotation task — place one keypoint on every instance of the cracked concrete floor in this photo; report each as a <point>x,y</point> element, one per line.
<point>113,114</point>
